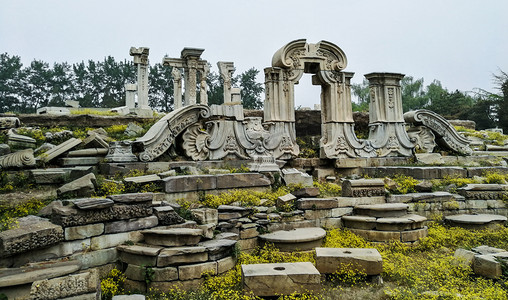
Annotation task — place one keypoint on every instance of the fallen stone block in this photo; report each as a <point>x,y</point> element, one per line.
<point>68,286</point>
<point>363,260</point>
<point>182,255</point>
<point>363,188</point>
<point>195,271</point>
<point>84,186</point>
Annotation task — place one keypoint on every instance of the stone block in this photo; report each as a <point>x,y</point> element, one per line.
<point>167,215</point>
<point>84,186</point>
<point>139,255</point>
<point>297,239</point>
<point>92,203</point>
<point>112,240</point>
<point>331,223</point>
<point>132,198</point>
<point>174,237</point>
<point>363,188</point>
<point>317,203</point>
<point>225,264</point>
<point>131,225</point>
<point>341,211</point>
<point>285,201</point>
<point>135,286</point>
<point>387,210</point>
<point>195,271</point>
<point>365,260</point>
<point>249,233</point>
<point>80,161</point>
<point>317,214</point>
<point>205,215</point>
<point>248,244</point>
<point>208,230</point>
<point>354,201</point>
<point>189,183</point>
<point>142,179</point>
<point>487,265</point>
<point>295,177</point>
<point>306,192</point>
<point>68,286</point>
<point>240,180</point>
<point>33,233</point>
<point>464,257</point>
<point>48,176</point>
<point>36,272</point>
<point>413,235</point>
<point>59,150</point>
<point>97,258</point>
<point>135,272</point>
<point>68,216</point>
<point>83,232</point>
<point>359,222</point>
<point>377,236</point>
<point>182,255</point>
<point>267,280</point>
<point>218,249</point>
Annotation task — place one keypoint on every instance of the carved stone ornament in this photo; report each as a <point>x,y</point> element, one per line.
<point>9,122</point>
<point>162,134</point>
<point>19,159</point>
<point>445,133</point>
<point>120,152</point>
<point>425,139</point>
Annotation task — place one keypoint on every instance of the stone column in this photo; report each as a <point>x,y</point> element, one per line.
<point>130,95</point>
<point>191,56</point>
<point>236,96</point>
<point>177,87</point>
<point>226,70</point>
<point>386,120</point>
<point>141,60</point>
<point>203,95</point>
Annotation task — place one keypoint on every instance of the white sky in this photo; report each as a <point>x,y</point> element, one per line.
<point>459,42</point>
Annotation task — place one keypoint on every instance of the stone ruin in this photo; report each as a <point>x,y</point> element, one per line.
<point>76,241</point>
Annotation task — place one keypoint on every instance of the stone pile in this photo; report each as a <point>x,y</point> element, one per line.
<point>484,260</point>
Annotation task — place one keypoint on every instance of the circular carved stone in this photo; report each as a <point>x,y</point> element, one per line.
<point>300,239</point>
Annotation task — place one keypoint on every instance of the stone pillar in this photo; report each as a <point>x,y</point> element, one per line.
<point>203,90</point>
<point>236,96</point>
<point>177,87</point>
<point>386,120</point>
<point>130,95</point>
<point>226,70</point>
<point>141,60</point>
<point>191,56</point>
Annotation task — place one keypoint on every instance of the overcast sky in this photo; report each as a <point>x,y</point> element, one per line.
<point>459,42</point>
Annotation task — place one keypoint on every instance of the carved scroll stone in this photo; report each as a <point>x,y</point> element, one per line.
<point>425,139</point>
<point>446,135</point>
<point>23,158</point>
<point>162,134</point>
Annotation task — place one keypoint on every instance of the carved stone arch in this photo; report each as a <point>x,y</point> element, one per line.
<point>326,61</point>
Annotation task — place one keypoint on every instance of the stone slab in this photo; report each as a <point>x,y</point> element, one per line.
<point>132,198</point>
<point>65,287</point>
<point>218,249</point>
<point>196,271</point>
<point>80,161</point>
<point>97,258</point>
<point>83,232</point>
<point>189,183</point>
<point>19,276</point>
<point>475,221</point>
<point>386,210</point>
<point>300,238</point>
<point>317,203</point>
<point>182,255</point>
<point>131,225</point>
<point>239,180</point>
<point>112,240</point>
<point>59,150</point>
<point>172,237</point>
<point>267,280</point>
<point>138,273</point>
<point>92,203</point>
<point>68,216</point>
<point>365,260</point>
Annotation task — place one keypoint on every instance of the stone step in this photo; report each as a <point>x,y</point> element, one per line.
<point>385,210</point>
<point>172,237</point>
<point>404,236</point>
<point>35,272</point>
<point>407,222</point>
<point>476,221</point>
<point>297,239</point>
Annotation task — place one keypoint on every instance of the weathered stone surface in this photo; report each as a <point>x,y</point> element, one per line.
<point>131,225</point>
<point>226,216</point>
<point>140,255</point>
<point>488,266</point>
<point>225,264</point>
<point>19,276</point>
<point>286,200</point>
<point>359,222</point>
<point>341,211</point>
<point>415,172</point>
<point>483,249</point>
<point>59,150</point>
<point>83,232</point>
<point>317,203</point>
<point>363,188</point>
<point>293,176</point>
<point>421,197</point>
<point>317,214</point>
<point>330,223</point>
<point>84,186</point>
<point>142,179</point>
<point>248,244</point>
<point>132,198</point>
<point>167,215</point>
<point>483,191</point>
<point>33,233</point>
<point>306,192</point>
<point>377,236</point>
<point>97,258</point>
<point>135,272</point>
<point>92,203</point>
<point>464,256</point>
<point>365,260</point>
<point>477,221</point>
<point>387,210</point>
<point>301,238</point>
<point>112,240</point>
<point>208,230</point>
<point>218,249</point>
<point>249,233</point>
<point>48,176</point>
<point>205,215</point>
<point>182,255</point>
<point>68,216</point>
<point>239,180</point>
<point>172,237</point>
<point>19,159</point>
<point>129,297</point>
<point>354,201</point>
<point>413,235</point>
<point>195,271</point>
<point>72,285</point>
<point>281,279</point>
<point>189,183</point>
<point>183,285</point>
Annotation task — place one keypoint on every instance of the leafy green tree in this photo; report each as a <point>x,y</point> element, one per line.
<point>160,95</point>
<point>12,77</point>
<point>413,94</point>
<point>251,90</point>
<point>61,84</point>
<point>502,106</point>
<point>362,93</point>
<point>483,112</point>
<point>37,90</point>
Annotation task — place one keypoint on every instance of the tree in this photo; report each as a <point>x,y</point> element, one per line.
<point>37,90</point>
<point>12,78</point>
<point>251,90</point>
<point>413,94</point>
<point>362,93</point>
<point>160,95</point>
<point>502,99</point>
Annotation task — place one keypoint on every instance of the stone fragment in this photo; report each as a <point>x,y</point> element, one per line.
<point>365,260</point>
<point>306,192</point>
<point>133,130</point>
<point>189,183</point>
<point>33,233</point>
<point>96,258</point>
<point>131,224</point>
<point>132,198</point>
<point>285,201</point>
<point>142,179</point>
<point>488,266</point>
<point>64,287</point>
<point>59,150</point>
<point>354,201</point>
<point>487,250</point>
<point>386,210</point>
<point>300,238</point>
<point>317,203</point>
<point>4,149</point>
<point>182,255</point>
<point>129,297</point>
<point>48,176</point>
<point>475,221</point>
<point>227,236</point>
<point>88,152</point>
<point>140,255</point>
<point>248,244</point>
<point>225,264</point>
<point>265,280</point>
<point>172,237</point>
<point>9,122</point>
<point>464,256</point>
<point>167,215</point>
<point>92,203</point>
<point>35,272</point>
<point>218,249</point>
<point>249,233</point>
<point>294,177</point>
<point>112,240</point>
<point>84,186</point>
<point>363,188</point>
<point>121,151</point>
<point>83,232</point>
<point>95,140</point>
<point>359,222</point>
<point>195,271</point>
<point>205,215</point>
<point>19,159</point>
<point>242,180</point>
<point>139,273</point>
<point>20,141</point>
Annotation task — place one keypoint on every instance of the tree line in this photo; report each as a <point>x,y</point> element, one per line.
<point>100,84</point>
<point>487,109</point>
